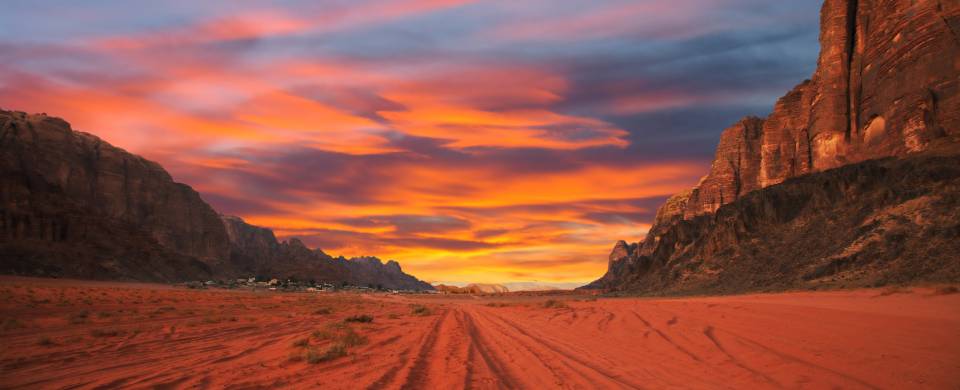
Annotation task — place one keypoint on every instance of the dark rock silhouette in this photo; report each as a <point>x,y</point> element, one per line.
<point>72,205</point>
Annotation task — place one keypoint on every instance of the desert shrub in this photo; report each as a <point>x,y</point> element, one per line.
<point>894,290</point>
<point>351,338</point>
<point>11,323</point>
<point>554,304</point>
<point>946,290</point>
<point>301,342</point>
<point>295,356</point>
<point>332,352</point>
<point>363,318</point>
<point>80,317</point>
<point>323,311</point>
<point>337,350</point>
<point>421,310</point>
<point>46,342</point>
<point>497,304</point>
<point>106,333</point>
<point>322,335</point>
<point>165,309</point>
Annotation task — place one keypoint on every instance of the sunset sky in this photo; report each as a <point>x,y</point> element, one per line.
<point>472,141</point>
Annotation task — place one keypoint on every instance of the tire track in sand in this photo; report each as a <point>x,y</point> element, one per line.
<point>548,351</point>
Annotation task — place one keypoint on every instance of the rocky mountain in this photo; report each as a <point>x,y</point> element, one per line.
<point>370,271</point>
<point>256,251</point>
<point>72,205</point>
<point>810,194</point>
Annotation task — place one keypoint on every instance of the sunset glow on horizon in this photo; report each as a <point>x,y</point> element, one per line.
<point>472,141</point>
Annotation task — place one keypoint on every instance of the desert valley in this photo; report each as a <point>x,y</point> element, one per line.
<point>820,248</point>
<point>61,333</point>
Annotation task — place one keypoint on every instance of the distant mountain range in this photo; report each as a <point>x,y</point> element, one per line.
<point>852,180</point>
<point>72,205</point>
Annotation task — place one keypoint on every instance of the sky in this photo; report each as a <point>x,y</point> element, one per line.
<point>472,141</point>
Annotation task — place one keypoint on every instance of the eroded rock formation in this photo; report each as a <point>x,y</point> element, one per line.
<point>887,84</point>
<point>255,251</point>
<point>72,205</point>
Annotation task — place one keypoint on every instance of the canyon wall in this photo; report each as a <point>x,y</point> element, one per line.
<point>72,205</point>
<point>887,84</point>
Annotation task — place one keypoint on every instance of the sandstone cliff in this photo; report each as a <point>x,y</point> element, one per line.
<point>72,205</point>
<point>887,84</point>
<point>255,251</point>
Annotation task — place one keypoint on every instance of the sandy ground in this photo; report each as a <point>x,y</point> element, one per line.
<point>58,334</point>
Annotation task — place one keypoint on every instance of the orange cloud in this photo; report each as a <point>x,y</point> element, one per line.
<point>464,170</point>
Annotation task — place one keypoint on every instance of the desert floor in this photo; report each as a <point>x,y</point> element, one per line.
<point>58,334</point>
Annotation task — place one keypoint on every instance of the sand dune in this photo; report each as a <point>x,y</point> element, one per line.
<point>64,334</point>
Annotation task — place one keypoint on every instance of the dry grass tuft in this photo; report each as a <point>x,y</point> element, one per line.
<point>11,323</point>
<point>46,342</point>
<point>79,318</point>
<point>555,304</point>
<point>421,310</point>
<point>106,332</point>
<point>946,290</point>
<point>894,290</point>
<point>362,318</point>
<point>302,343</point>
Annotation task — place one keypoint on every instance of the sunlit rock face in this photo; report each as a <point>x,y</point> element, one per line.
<point>887,84</point>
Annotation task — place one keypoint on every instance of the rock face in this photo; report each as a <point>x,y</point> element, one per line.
<point>887,84</point>
<point>72,205</point>
<point>370,271</point>
<point>255,251</point>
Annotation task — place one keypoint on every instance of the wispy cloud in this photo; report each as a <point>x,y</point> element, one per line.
<point>472,141</point>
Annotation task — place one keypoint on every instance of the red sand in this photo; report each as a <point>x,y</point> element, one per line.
<point>85,334</point>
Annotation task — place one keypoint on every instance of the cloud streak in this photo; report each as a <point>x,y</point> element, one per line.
<point>472,141</point>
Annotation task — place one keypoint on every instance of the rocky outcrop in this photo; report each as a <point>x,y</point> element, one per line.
<point>73,205</point>
<point>888,221</point>
<point>255,251</point>
<point>371,272</point>
<point>616,264</point>
<point>887,84</point>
